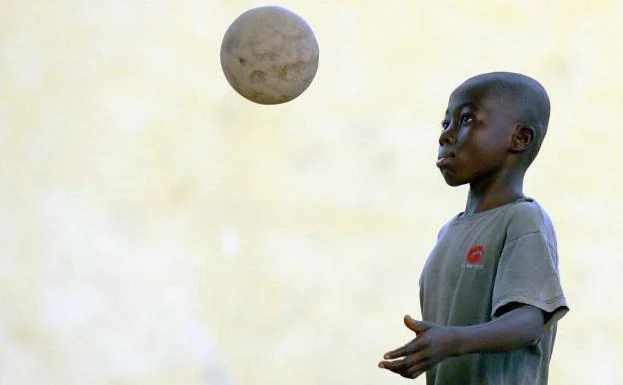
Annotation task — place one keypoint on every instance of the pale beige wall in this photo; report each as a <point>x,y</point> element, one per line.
<point>156,228</point>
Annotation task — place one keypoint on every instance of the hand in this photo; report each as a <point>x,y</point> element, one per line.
<point>432,344</point>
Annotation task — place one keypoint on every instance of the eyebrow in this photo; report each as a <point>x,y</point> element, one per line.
<point>463,105</point>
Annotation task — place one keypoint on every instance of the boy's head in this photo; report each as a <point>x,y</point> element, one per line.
<point>495,123</point>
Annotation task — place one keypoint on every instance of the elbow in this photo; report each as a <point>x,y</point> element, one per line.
<point>529,322</point>
<point>534,330</point>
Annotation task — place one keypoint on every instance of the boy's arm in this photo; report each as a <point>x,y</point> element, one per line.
<point>520,326</point>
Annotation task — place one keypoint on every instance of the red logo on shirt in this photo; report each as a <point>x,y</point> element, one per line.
<point>475,254</point>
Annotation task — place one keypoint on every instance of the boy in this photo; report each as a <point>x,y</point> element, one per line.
<point>490,291</point>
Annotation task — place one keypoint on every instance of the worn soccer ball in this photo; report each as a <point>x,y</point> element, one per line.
<point>269,55</point>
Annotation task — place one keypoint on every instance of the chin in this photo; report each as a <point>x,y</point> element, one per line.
<point>452,181</point>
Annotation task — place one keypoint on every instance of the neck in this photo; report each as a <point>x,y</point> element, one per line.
<point>494,191</point>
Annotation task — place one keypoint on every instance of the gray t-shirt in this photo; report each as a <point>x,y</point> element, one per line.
<point>480,263</point>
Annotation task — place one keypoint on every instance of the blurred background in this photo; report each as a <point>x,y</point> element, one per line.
<point>157,228</point>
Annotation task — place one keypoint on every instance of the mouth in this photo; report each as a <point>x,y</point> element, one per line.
<point>444,159</point>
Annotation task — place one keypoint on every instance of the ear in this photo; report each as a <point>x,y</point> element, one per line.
<point>522,139</point>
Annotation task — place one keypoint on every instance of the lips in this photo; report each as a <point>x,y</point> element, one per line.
<point>444,159</point>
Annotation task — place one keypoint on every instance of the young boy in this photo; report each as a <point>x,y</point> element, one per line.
<point>490,290</point>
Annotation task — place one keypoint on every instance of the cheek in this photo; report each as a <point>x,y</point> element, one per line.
<point>482,149</point>
<point>474,161</point>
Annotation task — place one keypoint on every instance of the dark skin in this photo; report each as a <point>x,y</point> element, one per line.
<point>484,143</point>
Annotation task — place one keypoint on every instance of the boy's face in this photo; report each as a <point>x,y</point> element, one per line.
<point>477,129</point>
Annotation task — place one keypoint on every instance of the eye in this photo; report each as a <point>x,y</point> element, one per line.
<point>467,118</point>
<point>445,124</point>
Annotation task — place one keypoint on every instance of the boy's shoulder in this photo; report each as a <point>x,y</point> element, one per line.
<point>527,216</point>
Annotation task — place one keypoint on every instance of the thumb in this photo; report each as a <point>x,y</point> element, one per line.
<point>417,326</point>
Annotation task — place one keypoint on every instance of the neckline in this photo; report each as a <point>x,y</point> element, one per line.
<point>461,217</point>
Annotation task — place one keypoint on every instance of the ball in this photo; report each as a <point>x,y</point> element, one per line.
<point>269,55</point>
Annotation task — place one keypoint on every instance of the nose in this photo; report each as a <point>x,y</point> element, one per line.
<point>448,135</point>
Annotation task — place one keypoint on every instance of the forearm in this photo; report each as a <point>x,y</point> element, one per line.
<point>516,329</point>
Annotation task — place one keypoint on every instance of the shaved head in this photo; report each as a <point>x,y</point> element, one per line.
<point>526,96</point>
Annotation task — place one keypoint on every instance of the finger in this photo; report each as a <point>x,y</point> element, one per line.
<point>395,366</point>
<point>415,374</point>
<point>420,367</point>
<point>400,352</point>
<point>405,375</point>
<point>405,364</point>
<point>417,326</point>
<point>412,347</point>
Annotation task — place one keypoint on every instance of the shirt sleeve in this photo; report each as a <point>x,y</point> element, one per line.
<point>527,273</point>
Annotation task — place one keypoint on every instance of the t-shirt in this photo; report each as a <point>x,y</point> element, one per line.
<point>480,263</point>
